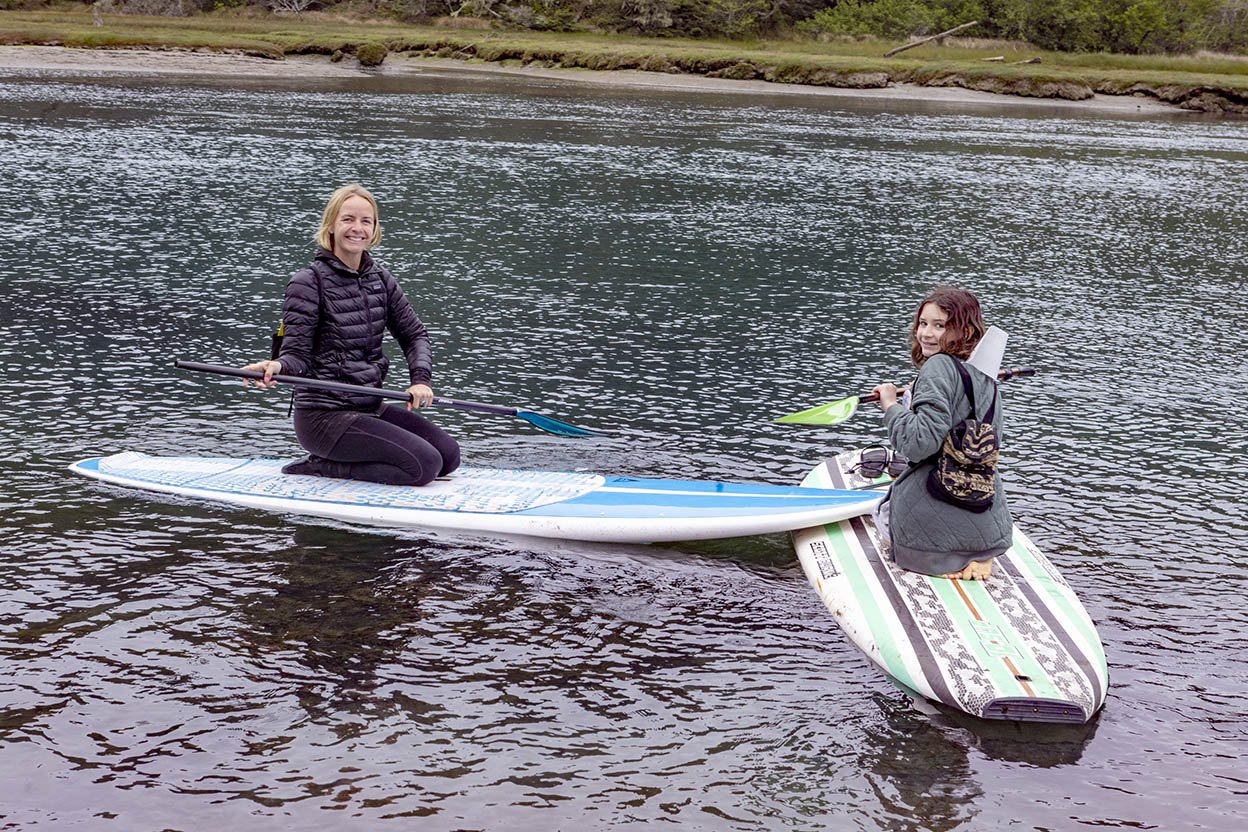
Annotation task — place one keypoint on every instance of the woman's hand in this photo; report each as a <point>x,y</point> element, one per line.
<point>888,393</point>
<point>269,368</point>
<point>421,396</point>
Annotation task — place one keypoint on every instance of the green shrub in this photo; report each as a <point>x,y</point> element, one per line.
<point>883,18</point>
<point>371,53</point>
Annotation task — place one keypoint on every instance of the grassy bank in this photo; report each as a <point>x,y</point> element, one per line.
<point>1212,83</point>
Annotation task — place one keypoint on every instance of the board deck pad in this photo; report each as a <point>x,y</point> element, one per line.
<point>572,506</point>
<point>1019,646</point>
<point>472,489</point>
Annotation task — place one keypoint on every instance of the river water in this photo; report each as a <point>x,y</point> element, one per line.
<point>680,269</point>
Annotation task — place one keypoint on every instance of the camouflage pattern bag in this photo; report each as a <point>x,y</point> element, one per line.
<point>965,472</point>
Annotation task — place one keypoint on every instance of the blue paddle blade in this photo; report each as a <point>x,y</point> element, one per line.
<point>554,426</point>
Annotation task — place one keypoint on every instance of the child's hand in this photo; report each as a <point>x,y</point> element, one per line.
<point>888,393</point>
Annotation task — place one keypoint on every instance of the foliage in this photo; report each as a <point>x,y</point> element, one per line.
<point>893,18</point>
<point>1126,26</point>
<point>1079,26</point>
<point>371,53</point>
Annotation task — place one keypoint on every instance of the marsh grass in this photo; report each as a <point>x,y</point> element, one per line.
<point>275,36</point>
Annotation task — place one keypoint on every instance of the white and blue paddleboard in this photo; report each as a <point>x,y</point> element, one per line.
<point>566,506</point>
<point>1019,646</point>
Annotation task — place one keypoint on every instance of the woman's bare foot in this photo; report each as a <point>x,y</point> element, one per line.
<point>976,570</point>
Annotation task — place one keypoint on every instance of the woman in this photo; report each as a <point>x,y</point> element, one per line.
<point>927,534</point>
<point>333,317</point>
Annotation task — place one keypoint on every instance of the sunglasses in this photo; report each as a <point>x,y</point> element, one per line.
<point>874,462</point>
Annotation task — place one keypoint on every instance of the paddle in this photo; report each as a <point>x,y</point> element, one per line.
<point>537,420</point>
<point>833,413</point>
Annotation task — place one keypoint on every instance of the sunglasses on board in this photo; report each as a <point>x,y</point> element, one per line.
<point>874,462</point>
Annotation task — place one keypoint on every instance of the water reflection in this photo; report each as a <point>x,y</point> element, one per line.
<point>332,607</point>
<point>923,778</point>
<point>1040,746</point>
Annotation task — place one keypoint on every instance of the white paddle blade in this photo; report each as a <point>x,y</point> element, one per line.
<point>989,352</point>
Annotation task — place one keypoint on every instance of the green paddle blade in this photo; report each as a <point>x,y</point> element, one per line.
<point>832,413</point>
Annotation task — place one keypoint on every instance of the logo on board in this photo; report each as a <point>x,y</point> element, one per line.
<point>823,559</point>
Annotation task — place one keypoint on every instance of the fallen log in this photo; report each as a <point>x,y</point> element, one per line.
<point>922,41</point>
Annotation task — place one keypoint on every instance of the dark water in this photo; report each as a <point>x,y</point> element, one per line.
<point>682,270</point>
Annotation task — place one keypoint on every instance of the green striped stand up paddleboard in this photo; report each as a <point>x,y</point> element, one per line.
<point>1019,646</point>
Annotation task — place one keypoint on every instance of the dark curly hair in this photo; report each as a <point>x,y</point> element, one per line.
<point>964,328</point>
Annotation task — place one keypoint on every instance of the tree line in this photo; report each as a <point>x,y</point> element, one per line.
<point>1123,26</point>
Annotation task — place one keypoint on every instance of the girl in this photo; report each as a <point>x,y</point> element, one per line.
<point>927,534</point>
<point>334,314</point>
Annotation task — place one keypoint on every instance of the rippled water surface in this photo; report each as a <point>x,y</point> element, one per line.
<point>681,269</point>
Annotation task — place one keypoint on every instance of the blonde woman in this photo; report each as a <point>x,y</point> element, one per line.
<point>334,316</point>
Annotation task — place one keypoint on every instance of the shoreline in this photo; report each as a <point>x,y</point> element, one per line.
<point>37,60</point>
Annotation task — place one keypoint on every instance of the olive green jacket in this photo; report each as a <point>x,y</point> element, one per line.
<point>927,534</point>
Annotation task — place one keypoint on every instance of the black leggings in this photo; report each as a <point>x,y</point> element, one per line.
<point>395,447</point>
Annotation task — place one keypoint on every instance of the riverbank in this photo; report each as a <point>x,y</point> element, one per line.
<point>959,72</point>
<point>59,59</point>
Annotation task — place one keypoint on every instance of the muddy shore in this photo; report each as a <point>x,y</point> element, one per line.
<point>39,60</point>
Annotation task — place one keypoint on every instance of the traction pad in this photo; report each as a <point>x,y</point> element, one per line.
<point>485,490</point>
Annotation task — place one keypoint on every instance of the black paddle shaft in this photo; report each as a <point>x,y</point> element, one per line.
<point>339,387</point>
<point>1004,375</point>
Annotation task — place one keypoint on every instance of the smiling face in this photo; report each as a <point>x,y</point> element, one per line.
<point>353,229</point>
<point>930,329</point>
<point>948,320</point>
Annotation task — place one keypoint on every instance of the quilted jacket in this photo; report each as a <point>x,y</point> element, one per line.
<point>334,319</point>
<point>929,535</point>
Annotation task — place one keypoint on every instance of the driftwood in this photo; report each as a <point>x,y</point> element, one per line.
<point>289,6</point>
<point>922,41</point>
<point>1000,59</point>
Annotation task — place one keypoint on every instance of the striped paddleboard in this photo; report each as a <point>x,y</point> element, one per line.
<point>568,506</point>
<point>1019,646</point>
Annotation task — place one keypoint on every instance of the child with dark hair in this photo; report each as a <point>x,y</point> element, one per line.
<point>927,534</point>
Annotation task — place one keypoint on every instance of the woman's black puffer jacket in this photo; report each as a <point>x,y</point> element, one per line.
<point>334,319</point>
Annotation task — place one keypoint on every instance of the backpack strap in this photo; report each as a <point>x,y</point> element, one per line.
<point>319,270</point>
<point>969,387</point>
<point>316,267</point>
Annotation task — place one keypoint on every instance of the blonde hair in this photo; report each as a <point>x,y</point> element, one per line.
<point>325,234</point>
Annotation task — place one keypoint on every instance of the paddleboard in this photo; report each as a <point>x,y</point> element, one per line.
<point>1019,646</point>
<point>568,506</point>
